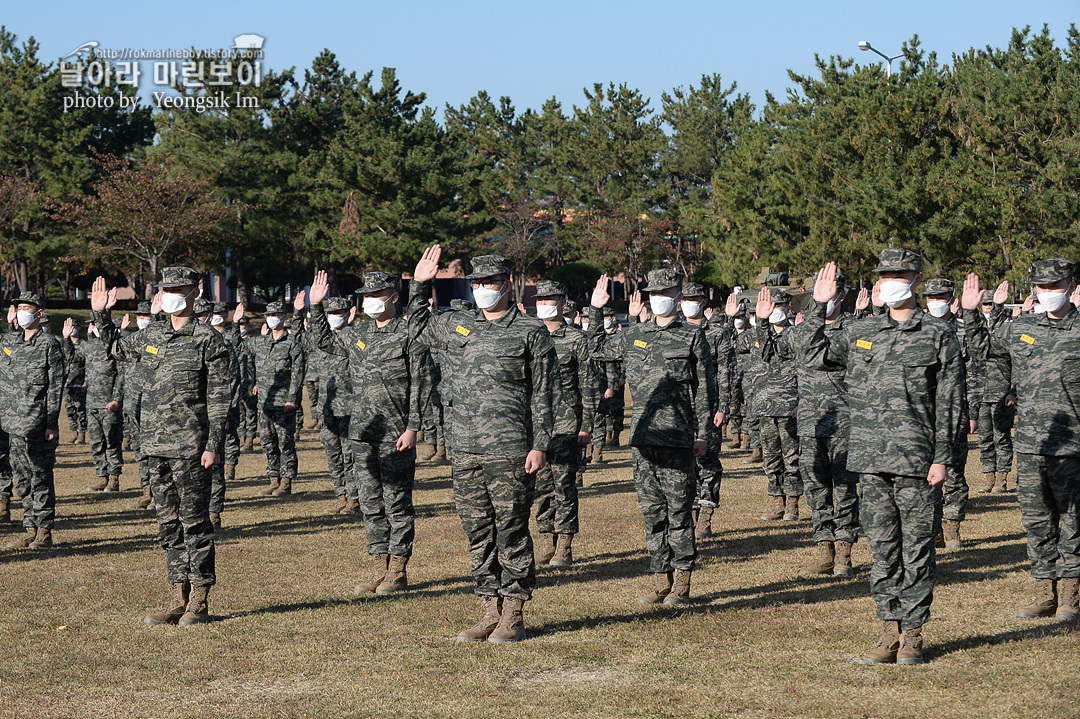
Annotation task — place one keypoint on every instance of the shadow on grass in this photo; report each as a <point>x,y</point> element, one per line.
<point>1040,629</point>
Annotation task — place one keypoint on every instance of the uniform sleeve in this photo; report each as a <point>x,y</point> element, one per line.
<point>319,335</point>
<point>420,369</point>
<point>218,391</point>
<point>296,378</point>
<point>423,325</point>
<point>118,385</point>
<point>589,383</point>
<point>118,347</point>
<point>56,371</point>
<point>821,351</point>
<point>544,370</point>
<point>705,379</point>
<point>722,360</point>
<point>948,399</point>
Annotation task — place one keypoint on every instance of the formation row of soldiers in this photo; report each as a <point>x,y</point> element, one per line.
<point>881,403</point>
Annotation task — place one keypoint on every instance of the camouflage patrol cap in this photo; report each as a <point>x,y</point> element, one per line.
<point>378,281</point>
<point>220,308</point>
<point>939,286</point>
<point>899,260</point>
<point>30,298</point>
<point>460,305</point>
<point>337,304</point>
<point>662,279</point>
<point>179,277</point>
<point>277,307</point>
<point>1052,270</point>
<point>693,289</point>
<point>488,266</point>
<point>571,306</point>
<point>779,296</point>
<point>609,312</point>
<point>202,306</point>
<point>987,298</point>
<point>76,322</point>
<point>45,318</point>
<point>549,288</point>
<point>143,308</point>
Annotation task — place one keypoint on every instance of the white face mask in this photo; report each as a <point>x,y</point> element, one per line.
<point>1052,300</point>
<point>273,322</point>
<point>568,320</point>
<point>608,323</point>
<point>243,332</point>
<point>830,307</point>
<point>986,315</point>
<point>486,298</point>
<point>171,303</point>
<point>894,292</point>
<point>661,306</point>
<point>25,318</point>
<point>690,309</point>
<point>739,323</point>
<point>374,307</point>
<point>217,320</point>
<point>335,321</point>
<point>1040,310</point>
<point>547,312</point>
<point>142,322</point>
<point>937,308</point>
<point>584,325</point>
<point>95,332</point>
<point>778,315</point>
<point>753,320</point>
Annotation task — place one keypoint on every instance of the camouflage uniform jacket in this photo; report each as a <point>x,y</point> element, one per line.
<point>672,381</point>
<point>905,389</point>
<point>1040,357</point>
<point>185,401</point>
<point>384,374</point>
<point>335,385</point>
<point>823,408</point>
<point>279,368</point>
<point>973,368</point>
<point>723,354</point>
<point>579,385</point>
<point>503,376</point>
<point>775,384</point>
<point>32,373</point>
<point>75,371</point>
<point>104,375</point>
<point>609,366</point>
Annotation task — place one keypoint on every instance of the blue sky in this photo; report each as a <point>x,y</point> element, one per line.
<point>532,51</point>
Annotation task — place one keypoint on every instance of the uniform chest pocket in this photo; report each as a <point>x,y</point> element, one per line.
<point>568,368</point>
<point>677,364</point>
<point>35,375</point>
<point>511,364</point>
<point>392,362</point>
<point>1070,372</point>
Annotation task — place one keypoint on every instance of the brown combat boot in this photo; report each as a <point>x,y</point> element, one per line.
<point>337,506</point>
<point>564,553</point>
<point>755,457</point>
<point>791,509</point>
<point>488,621</point>
<point>887,647</point>
<point>318,423</point>
<point>910,651</point>
<point>989,480</point>
<point>680,588</point>
<point>939,540</point>
<point>174,609</point>
<point>198,611</point>
<point>396,580</point>
<point>425,451</point>
<point>1045,602</point>
<point>126,445</point>
<point>744,441</point>
<point>74,438</point>
<point>777,511</point>
<point>703,525</point>
<point>659,592</point>
<point>580,478</point>
<point>511,627</point>
<point>440,455</point>
<point>380,563</point>
<point>284,487</point>
<point>607,437</point>
<point>598,453</point>
<point>614,443</point>
<point>1068,601</point>
<point>248,444</point>
<point>352,506</point>
<point>545,548</point>
<point>99,485</point>
<point>42,540</point>
<point>951,532</point>
<point>734,441</point>
<point>589,451</point>
<point>825,563</point>
<point>1000,483</point>
<point>230,473</point>
<point>23,541</point>
<point>82,437</point>
<point>268,491</point>
<point>843,567</point>
<point>5,510</point>
<point>144,502</point>
<point>113,484</point>
<point>215,520</point>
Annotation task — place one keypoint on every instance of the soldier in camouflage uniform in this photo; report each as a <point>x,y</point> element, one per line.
<point>737,406</point>
<point>609,416</point>
<point>709,470</point>
<point>104,397</point>
<point>556,485</point>
<point>831,490</point>
<point>774,403</point>
<point>249,403</point>
<point>279,377</point>
<point>997,411</point>
<point>136,377</point>
<point>504,384</point>
<point>384,419</point>
<point>75,396</point>
<point>213,315</point>
<point>1039,355</point>
<point>32,378</point>
<point>671,376</point>
<point>312,380</point>
<point>905,396</point>
<point>748,365</point>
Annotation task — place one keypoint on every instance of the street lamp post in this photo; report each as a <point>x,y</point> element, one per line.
<point>864,46</point>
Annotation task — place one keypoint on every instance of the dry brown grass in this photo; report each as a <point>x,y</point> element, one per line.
<point>291,640</point>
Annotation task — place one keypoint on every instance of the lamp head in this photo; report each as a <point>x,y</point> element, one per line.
<point>864,45</point>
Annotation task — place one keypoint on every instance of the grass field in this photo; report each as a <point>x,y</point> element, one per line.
<point>291,640</point>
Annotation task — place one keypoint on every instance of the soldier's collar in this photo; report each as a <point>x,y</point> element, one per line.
<point>911,323</point>
<point>653,327</point>
<point>390,326</point>
<point>1064,323</point>
<point>188,328</point>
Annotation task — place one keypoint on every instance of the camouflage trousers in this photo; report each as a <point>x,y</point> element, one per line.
<point>32,462</point>
<point>665,484</point>
<point>105,430</point>
<point>955,490</point>
<point>249,415</point>
<point>75,408</point>
<point>494,496</point>
<point>901,517</point>
<point>230,456</point>
<point>753,428</point>
<point>1048,489</point>
<point>709,471</point>
<point>312,387</point>
<point>334,436</point>
<point>556,487</point>
<point>7,484</point>
<point>995,436</point>
<point>181,491</point>
<point>277,433</point>
<point>136,446</point>
<point>832,492</point>
<point>385,482</point>
<point>736,412</point>
<point>609,417</point>
<point>780,450</point>
<point>434,429</point>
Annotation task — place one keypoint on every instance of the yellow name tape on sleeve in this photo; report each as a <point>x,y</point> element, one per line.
<point>361,345</point>
<point>152,350</point>
<point>1027,338</point>
<point>639,343</point>
<point>863,344</point>
<point>462,331</point>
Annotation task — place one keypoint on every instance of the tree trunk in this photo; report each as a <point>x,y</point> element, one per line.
<point>242,294</point>
<point>22,278</point>
<point>154,279</point>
